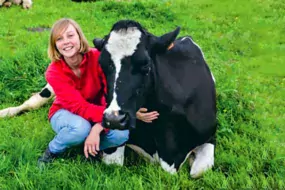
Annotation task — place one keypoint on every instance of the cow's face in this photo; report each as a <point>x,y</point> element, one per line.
<point>126,60</point>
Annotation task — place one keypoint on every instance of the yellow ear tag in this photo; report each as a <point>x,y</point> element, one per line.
<point>170,46</point>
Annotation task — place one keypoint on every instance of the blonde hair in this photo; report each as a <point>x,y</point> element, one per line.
<point>57,29</point>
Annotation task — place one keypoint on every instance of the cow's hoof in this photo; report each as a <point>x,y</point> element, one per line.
<point>167,167</point>
<point>9,112</point>
<point>204,160</point>
<point>200,166</point>
<point>116,157</point>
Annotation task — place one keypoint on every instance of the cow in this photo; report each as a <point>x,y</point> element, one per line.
<point>25,3</point>
<point>163,74</point>
<point>34,102</point>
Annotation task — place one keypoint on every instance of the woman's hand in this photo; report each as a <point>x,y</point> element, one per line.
<point>92,142</point>
<point>145,116</point>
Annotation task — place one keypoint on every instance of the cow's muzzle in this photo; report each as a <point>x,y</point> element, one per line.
<point>116,120</point>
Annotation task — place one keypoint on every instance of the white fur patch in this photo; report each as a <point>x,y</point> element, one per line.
<point>113,107</point>
<point>121,44</point>
<point>116,157</point>
<point>156,157</point>
<point>170,169</point>
<point>204,160</point>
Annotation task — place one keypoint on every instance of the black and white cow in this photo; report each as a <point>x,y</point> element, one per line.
<point>34,102</point>
<point>166,75</point>
<point>162,74</point>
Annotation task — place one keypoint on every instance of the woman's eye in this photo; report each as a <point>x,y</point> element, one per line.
<point>58,39</point>
<point>70,36</point>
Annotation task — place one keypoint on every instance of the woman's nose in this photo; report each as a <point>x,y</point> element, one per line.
<point>65,40</point>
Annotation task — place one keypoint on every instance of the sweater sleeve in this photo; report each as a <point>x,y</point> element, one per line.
<point>70,98</point>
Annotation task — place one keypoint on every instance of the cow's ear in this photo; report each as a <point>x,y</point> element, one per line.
<point>99,43</point>
<point>161,44</point>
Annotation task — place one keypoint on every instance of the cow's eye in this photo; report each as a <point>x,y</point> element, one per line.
<point>145,68</point>
<point>138,92</point>
<point>110,67</point>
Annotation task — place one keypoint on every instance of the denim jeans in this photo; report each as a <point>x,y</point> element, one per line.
<point>72,129</point>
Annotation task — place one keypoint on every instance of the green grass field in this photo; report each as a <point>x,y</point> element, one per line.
<point>244,44</point>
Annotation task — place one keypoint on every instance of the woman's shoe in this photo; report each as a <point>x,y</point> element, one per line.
<point>47,157</point>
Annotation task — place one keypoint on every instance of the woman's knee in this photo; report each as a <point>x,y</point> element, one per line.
<point>119,137</point>
<point>81,128</point>
<point>64,120</point>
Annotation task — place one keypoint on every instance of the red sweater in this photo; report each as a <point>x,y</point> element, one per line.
<point>82,96</point>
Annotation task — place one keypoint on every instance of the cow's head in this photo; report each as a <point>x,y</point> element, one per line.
<point>127,58</point>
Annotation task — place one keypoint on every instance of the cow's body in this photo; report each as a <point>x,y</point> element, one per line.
<point>25,3</point>
<point>179,129</point>
<point>165,75</point>
<point>176,82</point>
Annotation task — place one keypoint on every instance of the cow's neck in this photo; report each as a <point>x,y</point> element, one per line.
<point>166,90</point>
<point>153,100</point>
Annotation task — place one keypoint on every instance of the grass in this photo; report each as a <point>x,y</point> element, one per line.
<point>244,44</point>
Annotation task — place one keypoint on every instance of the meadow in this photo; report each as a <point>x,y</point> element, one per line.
<point>244,44</point>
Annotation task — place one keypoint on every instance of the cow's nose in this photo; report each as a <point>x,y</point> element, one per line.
<point>115,120</point>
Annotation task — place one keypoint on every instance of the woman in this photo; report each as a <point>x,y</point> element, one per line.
<point>78,83</point>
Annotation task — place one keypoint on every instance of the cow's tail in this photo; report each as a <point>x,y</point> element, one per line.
<point>36,101</point>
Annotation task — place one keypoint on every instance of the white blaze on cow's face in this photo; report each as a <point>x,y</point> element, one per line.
<point>121,43</point>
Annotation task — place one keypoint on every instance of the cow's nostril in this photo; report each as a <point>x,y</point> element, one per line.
<point>124,121</point>
<point>123,118</point>
<point>116,120</point>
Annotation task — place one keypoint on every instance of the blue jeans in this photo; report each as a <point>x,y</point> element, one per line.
<point>72,130</point>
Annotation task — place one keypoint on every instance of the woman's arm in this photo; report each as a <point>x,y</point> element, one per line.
<point>92,142</point>
<point>69,98</point>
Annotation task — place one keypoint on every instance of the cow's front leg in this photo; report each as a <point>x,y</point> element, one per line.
<point>172,151</point>
<point>168,166</point>
<point>114,156</point>
<point>203,161</point>
<point>173,162</point>
<point>142,142</point>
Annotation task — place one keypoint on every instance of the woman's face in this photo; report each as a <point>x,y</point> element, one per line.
<point>68,43</point>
